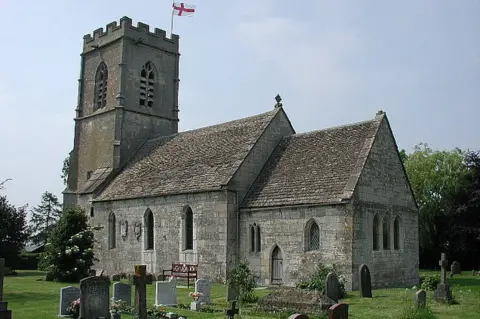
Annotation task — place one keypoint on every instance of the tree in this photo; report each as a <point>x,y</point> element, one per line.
<point>44,217</point>
<point>69,251</point>
<point>13,231</point>
<point>65,169</point>
<point>436,177</point>
<point>462,229</point>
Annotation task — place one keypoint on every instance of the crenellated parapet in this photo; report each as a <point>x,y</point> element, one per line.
<point>140,34</point>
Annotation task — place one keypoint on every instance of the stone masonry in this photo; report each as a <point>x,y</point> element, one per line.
<point>255,188</point>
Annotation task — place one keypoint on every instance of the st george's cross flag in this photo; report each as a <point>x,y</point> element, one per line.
<point>183,9</point>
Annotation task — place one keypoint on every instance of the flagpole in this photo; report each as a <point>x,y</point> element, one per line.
<point>171,22</point>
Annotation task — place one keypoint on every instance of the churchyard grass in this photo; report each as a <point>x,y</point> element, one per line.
<point>29,299</point>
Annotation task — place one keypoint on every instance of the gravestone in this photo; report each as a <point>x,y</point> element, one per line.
<point>67,296</point>
<point>298,316</point>
<point>94,297</point>
<point>203,286</point>
<point>4,312</point>
<point>122,291</point>
<point>166,292</point>
<point>332,286</point>
<point>231,293</point>
<point>232,311</point>
<point>455,268</point>
<point>140,280</point>
<point>365,282</point>
<point>443,292</point>
<point>421,298</point>
<point>338,311</point>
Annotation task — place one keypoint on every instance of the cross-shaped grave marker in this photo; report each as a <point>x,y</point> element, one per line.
<point>443,293</point>
<point>140,280</point>
<point>232,311</point>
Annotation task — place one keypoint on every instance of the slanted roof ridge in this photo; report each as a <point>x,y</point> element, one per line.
<point>332,128</point>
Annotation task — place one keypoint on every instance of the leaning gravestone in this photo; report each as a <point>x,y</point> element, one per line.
<point>166,292</point>
<point>455,268</point>
<point>94,297</point>
<point>365,282</point>
<point>332,286</point>
<point>338,311</point>
<point>67,296</point>
<point>123,292</point>
<point>421,298</point>
<point>298,316</point>
<point>203,286</point>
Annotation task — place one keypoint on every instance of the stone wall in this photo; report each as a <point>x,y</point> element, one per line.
<point>286,228</point>
<point>383,189</point>
<point>210,233</point>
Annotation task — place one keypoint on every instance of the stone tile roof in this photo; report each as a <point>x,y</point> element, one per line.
<point>197,160</point>
<point>317,167</point>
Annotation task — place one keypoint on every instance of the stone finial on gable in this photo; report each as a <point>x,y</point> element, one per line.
<point>278,99</point>
<point>380,112</point>
<point>380,115</point>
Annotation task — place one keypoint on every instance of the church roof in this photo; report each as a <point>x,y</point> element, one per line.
<point>319,167</point>
<point>198,160</point>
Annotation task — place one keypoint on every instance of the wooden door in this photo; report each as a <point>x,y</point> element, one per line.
<point>277,266</point>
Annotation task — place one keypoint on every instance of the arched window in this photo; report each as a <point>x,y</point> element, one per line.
<point>312,236</point>
<point>147,85</point>
<point>189,229</point>
<point>386,233</point>
<point>259,242</point>
<point>149,231</point>
<point>376,232</point>
<point>396,233</point>
<point>112,240</point>
<point>101,78</point>
<point>252,238</point>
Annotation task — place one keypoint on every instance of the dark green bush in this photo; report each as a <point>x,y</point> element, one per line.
<point>317,280</point>
<point>429,282</point>
<point>242,281</point>
<point>29,261</point>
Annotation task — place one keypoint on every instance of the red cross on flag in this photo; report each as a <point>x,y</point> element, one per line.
<point>183,9</point>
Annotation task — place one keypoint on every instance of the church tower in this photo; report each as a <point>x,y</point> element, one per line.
<point>127,93</point>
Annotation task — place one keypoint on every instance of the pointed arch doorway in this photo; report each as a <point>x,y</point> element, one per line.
<point>277,266</point>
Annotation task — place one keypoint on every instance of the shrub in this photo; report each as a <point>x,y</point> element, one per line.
<point>242,281</point>
<point>317,279</point>
<point>429,282</point>
<point>29,261</point>
<point>68,253</point>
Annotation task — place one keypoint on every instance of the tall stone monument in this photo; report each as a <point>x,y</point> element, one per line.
<point>443,292</point>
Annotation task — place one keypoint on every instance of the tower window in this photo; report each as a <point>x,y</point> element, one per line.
<point>101,79</point>
<point>189,229</point>
<point>149,232</point>
<point>147,85</point>
<point>112,233</point>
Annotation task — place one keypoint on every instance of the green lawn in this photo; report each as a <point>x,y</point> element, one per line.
<point>29,299</point>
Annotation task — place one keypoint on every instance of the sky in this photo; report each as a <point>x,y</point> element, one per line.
<point>333,62</point>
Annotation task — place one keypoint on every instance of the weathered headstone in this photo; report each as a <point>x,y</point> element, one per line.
<point>94,297</point>
<point>298,316</point>
<point>443,292</point>
<point>4,312</point>
<point>203,286</point>
<point>332,286</point>
<point>123,292</point>
<point>365,282</point>
<point>338,311</point>
<point>421,298</point>
<point>140,280</point>
<point>232,311</point>
<point>231,293</point>
<point>99,272</point>
<point>455,268</point>
<point>67,296</point>
<point>166,292</point>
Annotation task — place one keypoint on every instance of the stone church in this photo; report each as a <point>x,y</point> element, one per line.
<point>250,188</point>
